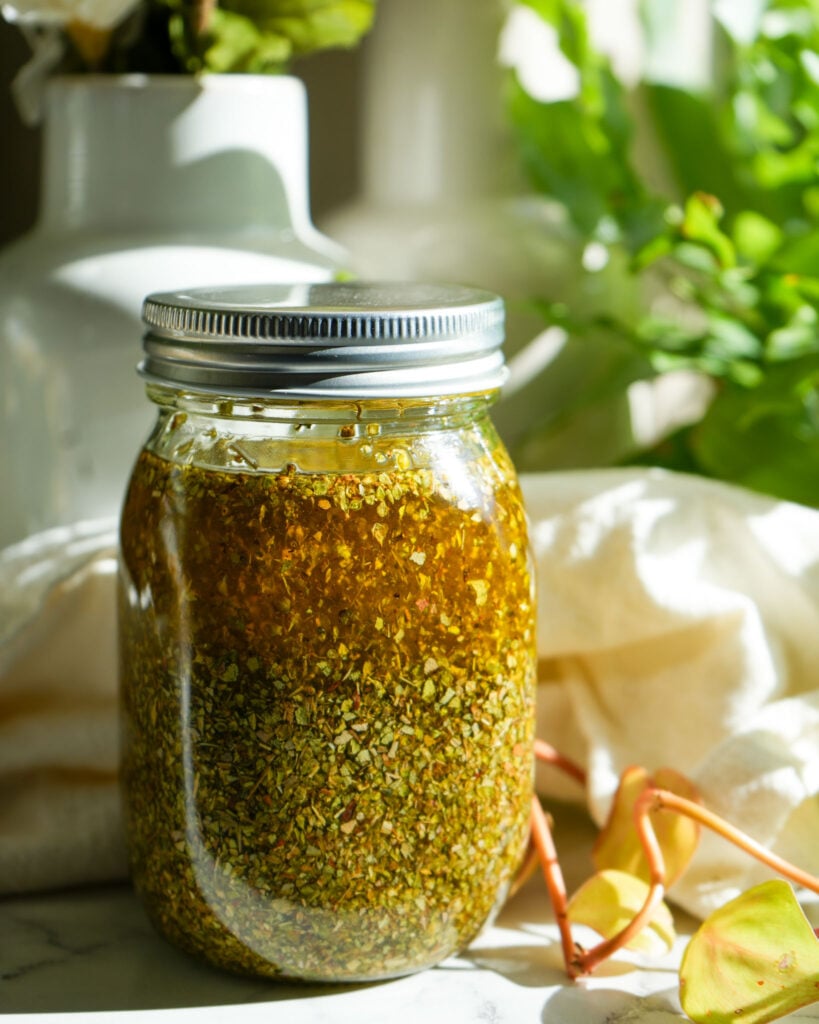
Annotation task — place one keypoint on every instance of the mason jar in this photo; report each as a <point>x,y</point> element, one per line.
<point>326,629</point>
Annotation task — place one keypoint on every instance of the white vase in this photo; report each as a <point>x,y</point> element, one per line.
<point>148,183</point>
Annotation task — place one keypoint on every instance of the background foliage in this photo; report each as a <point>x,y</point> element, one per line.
<point>718,272</point>
<point>229,36</point>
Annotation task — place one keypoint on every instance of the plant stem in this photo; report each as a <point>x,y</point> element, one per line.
<point>590,959</point>
<point>201,12</point>
<point>544,844</point>
<point>546,752</point>
<point>662,799</point>
<point>549,755</point>
<point>653,799</point>
<point>579,961</point>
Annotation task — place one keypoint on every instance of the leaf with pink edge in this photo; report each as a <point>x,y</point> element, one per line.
<point>618,845</point>
<point>754,960</point>
<point>609,900</point>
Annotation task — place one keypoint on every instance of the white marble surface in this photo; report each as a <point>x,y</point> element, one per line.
<point>91,955</point>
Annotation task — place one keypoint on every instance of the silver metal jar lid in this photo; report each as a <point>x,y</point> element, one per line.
<point>341,340</point>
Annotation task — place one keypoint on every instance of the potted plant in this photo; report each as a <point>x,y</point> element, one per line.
<point>175,154</point>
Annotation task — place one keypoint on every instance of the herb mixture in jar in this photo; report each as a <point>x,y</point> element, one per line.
<point>329,706</point>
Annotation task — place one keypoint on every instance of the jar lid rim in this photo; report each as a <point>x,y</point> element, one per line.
<point>328,339</point>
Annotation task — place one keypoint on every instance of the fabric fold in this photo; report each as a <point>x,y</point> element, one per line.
<point>679,626</point>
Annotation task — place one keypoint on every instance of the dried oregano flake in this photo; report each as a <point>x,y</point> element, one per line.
<point>328,693</point>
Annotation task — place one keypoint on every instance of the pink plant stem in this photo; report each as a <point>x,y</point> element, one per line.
<point>549,755</point>
<point>546,752</point>
<point>663,799</point>
<point>542,838</point>
<point>590,959</point>
<point>651,800</point>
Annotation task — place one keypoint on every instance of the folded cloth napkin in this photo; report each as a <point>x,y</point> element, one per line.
<point>678,625</point>
<point>59,799</point>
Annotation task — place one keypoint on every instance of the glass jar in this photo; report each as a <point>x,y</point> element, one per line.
<point>327,630</point>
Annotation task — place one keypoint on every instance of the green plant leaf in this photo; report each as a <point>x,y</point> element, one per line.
<point>730,339</point>
<point>308,25</point>
<point>576,414</point>
<point>236,45</point>
<point>775,170</point>
<point>688,127</point>
<point>618,846</point>
<point>754,960</point>
<point>578,150</point>
<point>703,213</point>
<point>766,438</point>
<point>729,285</point>
<point>799,337</point>
<point>609,900</point>
<point>263,36</point>
<point>756,237</point>
<point>800,255</point>
<point>565,156</point>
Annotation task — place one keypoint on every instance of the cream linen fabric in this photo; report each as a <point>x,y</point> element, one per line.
<point>59,798</point>
<point>678,625</point>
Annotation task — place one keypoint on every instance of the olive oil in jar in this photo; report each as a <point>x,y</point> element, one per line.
<point>327,630</point>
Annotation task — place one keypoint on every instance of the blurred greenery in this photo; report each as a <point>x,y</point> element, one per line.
<point>258,36</point>
<point>228,36</point>
<point>721,264</point>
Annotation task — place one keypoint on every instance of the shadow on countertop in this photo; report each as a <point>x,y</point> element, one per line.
<point>94,949</point>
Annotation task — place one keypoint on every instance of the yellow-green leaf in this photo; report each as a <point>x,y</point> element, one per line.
<point>309,25</point>
<point>609,900</point>
<point>701,224</point>
<point>754,960</point>
<point>618,846</point>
